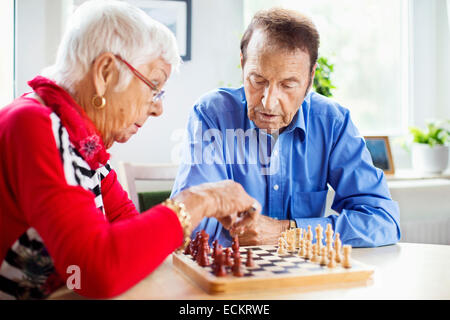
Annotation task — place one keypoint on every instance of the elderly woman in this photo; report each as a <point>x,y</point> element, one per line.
<point>62,209</point>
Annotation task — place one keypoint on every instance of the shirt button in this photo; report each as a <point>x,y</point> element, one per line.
<point>276,187</point>
<point>275,153</point>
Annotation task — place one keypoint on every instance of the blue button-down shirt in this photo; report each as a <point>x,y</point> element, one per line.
<point>290,174</point>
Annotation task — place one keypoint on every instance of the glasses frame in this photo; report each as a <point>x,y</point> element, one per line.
<point>159,93</point>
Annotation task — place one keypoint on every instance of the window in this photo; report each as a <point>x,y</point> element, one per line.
<point>366,42</point>
<point>6,52</point>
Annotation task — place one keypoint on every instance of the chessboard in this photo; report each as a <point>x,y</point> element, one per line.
<point>270,269</point>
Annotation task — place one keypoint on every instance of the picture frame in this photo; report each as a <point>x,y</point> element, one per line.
<point>174,14</point>
<point>380,151</point>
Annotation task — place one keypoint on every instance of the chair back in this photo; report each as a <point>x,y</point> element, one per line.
<point>132,172</point>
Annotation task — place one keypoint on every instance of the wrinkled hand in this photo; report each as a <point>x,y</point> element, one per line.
<point>225,200</point>
<point>262,230</point>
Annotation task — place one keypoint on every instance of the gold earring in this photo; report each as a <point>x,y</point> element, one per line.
<point>98,104</point>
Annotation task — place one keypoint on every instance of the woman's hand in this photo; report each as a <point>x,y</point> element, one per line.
<point>226,201</point>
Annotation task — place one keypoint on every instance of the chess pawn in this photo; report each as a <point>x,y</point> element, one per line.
<point>329,230</point>
<point>235,244</point>
<point>323,260</point>
<point>302,250</point>
<point>319,236</point>
<point>203,259</point>
<point>228,261</point>
<point>237,268</point>
<point>337,247</point>
<point>203,251</point>
<point>347,249</point>
<point>249,263</point>
<point>217,253</point>
<point>309,234</point>
<point>220,265</point>
<point>281,246</point>
<point>329,251</point>
<point>199,254</point>
<point>298,237</point>
<point>195,243</point>
<point>332,261</point>
<point>329,234</point>
<point>315,257</point>
<point>205,239</point>
<point>308,254</point>
<point>291,244</point>
<point>214,248</point>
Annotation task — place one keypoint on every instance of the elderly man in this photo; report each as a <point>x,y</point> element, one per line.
<point>285,144</point>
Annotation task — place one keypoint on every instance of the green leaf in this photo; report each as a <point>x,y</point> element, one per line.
<point>322,79</point>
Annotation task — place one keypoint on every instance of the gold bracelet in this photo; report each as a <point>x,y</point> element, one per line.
<point>184,217</point>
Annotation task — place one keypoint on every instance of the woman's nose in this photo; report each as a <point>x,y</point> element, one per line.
<point>155,109</point>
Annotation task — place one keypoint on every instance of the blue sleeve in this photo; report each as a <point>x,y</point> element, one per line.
<point>200,164</point>
<point>367,216</point>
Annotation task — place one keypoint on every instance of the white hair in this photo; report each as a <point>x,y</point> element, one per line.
<point>110,26</point>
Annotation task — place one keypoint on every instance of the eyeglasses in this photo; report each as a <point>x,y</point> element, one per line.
<point>158,94</point>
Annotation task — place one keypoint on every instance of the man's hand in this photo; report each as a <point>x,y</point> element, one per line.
<point>262,230</point>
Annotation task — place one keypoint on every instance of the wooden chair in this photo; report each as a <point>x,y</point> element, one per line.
<point>131,172</point>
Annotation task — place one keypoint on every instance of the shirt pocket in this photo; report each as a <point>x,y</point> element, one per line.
<point>308,204</point>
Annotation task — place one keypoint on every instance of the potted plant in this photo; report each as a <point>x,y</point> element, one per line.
<point>322,79</point>
<point>429,149</point>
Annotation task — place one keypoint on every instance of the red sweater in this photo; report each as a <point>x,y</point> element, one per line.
<point>113,254</point>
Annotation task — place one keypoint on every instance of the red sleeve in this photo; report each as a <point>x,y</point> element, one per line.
<point>112,257</point>
<point>115,200</point>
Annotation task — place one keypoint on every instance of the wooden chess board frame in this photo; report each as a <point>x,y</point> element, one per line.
<point>287,270</point>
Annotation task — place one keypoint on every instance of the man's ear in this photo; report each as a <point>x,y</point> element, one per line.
<point>313,74</point>
<point>103,70</point>
<point>242,66</point>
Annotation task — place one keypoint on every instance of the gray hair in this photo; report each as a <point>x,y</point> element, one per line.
<point>110,26</point>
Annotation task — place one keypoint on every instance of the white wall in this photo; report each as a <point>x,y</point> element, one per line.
<point>429,74</point>
<point>216,29</point>
<point>430,65</point>
<point>6,52</point>
<point>443,59</point>
<point>39,28</point>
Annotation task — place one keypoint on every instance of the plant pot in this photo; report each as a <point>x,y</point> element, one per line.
<point>429,159</point>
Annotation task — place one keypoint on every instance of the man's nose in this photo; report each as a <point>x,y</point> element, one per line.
<point>270,97</point>
<point>155,109</point>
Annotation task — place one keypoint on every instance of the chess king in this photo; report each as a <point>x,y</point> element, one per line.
<point>289,144</point>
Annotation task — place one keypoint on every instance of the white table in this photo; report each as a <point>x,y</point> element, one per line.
<point>402,271</point>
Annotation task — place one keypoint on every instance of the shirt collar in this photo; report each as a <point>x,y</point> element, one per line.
<point>298,122</point>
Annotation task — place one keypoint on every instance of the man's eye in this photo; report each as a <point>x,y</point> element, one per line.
<point>289,85</point>
<point>258,82</point>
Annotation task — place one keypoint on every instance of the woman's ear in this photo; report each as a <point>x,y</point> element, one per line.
<point>103,70</point>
